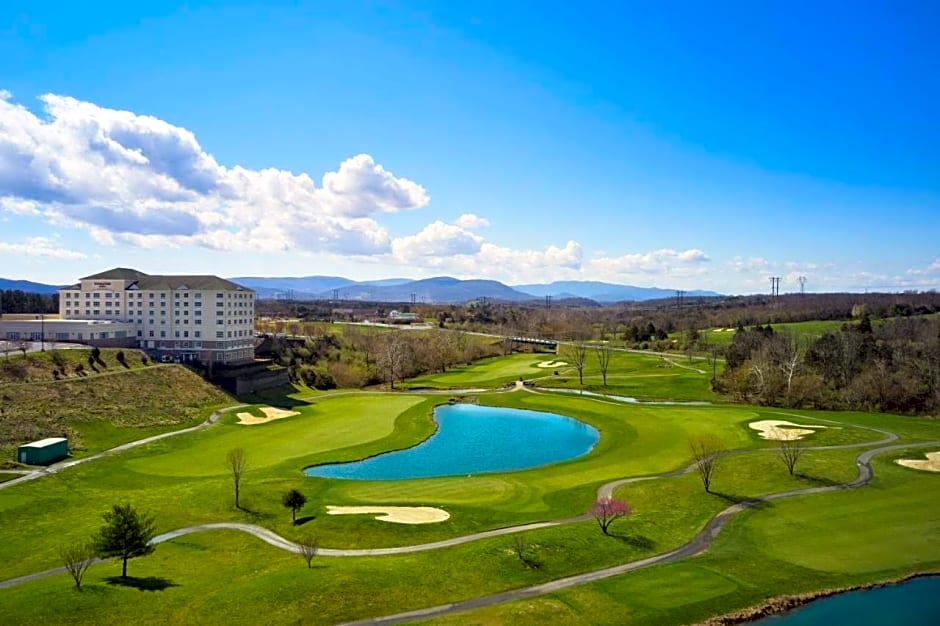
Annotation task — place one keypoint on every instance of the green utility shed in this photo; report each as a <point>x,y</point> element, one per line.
<point>44,451</point>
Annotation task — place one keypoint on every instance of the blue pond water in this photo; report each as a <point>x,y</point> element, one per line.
<point>471,439</point>
<point>915,602</point>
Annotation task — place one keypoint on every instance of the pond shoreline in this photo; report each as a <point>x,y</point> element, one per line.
<point>783,604</point>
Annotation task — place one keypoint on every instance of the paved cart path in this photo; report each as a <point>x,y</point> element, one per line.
<point>62,465</point>
<point>696,545</point>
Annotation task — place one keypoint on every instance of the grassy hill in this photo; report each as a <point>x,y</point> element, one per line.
<point>100,405</point>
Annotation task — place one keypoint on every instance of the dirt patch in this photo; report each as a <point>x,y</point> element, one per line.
<point>931,464</point>
<point>550,364</point>
<point>780,430</point>
<point>270,414</point>
<point>394,514</point>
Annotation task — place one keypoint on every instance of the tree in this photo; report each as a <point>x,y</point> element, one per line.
<point>603,352</point>
<point>707,451</point>
<point>607,510</point>
<point>577,353</point>
<point>125,534</point>
<point>237,463</point>
<point>789,450</point>
<point>294,500</point>
<point>77,558</point>
<point>309,549</point>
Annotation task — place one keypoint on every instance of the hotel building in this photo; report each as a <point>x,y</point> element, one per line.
<point>189,318</point>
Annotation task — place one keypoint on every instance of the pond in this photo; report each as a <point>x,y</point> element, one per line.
<point>471,439</point>
<point>913,602</point>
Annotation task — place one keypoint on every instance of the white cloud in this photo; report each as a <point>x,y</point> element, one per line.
<point>663,261</point>
<point>39,246</point>
<point>140,180</point>
<point>436,240</point>
<point>922,271</point>
<point>470,220</point>
<point>752,264</point>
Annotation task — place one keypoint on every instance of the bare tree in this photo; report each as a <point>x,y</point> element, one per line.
<point>237,464</point>
<point>577,353</point>
<point>77,558</point>
<point>393,356</point>
<point>603,352</point>
<point>308,549</point>
<point>791,356</point>
<point>789,449</point>
<point>706,451</point>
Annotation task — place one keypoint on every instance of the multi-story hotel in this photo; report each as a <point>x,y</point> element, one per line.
<point>190,318</point>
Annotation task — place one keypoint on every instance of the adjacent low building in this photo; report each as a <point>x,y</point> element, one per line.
<point>44,451</point>
<point>185,318</point>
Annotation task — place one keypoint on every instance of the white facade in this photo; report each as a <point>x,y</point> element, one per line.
<point>204,318</point>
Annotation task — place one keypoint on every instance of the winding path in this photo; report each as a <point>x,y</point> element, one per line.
<point>699,543</point>
<point>58,467</point>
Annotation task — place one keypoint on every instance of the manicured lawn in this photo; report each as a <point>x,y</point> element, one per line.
<point>486,373</point>
<point>644,376</point>
<point>821,540</point>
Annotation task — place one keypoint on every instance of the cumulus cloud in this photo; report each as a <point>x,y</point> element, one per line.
<point>138,179</point>
<point>661,261</point>
<point>470,221</point>
<point>437,240</point>
<point>39,246</point>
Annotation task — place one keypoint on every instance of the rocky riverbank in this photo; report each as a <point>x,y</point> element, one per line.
<point>783,604</point>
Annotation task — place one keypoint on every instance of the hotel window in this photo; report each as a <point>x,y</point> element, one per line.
<point>162,333</point>
<point>151,333</point>
<point>197,334</point>
<point>219,334</point>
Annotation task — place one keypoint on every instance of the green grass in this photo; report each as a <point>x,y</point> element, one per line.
<point>644,376</point>
<point>485,373</point>
<point>842,539</point>
<point>99,412</point>
<point>865,534</point>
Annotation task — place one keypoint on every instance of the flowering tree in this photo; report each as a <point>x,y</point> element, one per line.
<point>607,510</point>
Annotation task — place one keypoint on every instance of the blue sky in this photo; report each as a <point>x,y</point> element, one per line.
<point>683,145</point>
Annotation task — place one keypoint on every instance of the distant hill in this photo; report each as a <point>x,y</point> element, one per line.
<point>27,286</point>
<point>304,286</point>
<point>441,289</point>
<point>445,289</point>
<point>603,292</point>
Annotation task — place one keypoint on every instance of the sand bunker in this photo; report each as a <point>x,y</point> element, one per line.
<point>779,430</point>
<point>931,464</point>
<point>395,514</point>
<point>270,414</point>
<point>548,364</point>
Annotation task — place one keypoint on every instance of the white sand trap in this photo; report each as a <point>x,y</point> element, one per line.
<point>270,414</point>
<point>932,464</point>
<point>779,430</point>
<point>548,364</point>
<point>395,514</point>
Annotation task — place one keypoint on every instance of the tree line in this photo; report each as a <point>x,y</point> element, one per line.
<point>893,366</point>
<point>19,301</point>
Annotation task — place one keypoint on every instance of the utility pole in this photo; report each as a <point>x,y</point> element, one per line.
<point>335,295</point>
<point>774,286</point>
<point>679,297</point>
<point>42,332</point>
<point>802,280</point>
<point>548,302</point>
<point>414,298</point>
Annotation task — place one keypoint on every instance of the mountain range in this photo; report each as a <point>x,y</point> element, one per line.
<point>442,289</point>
